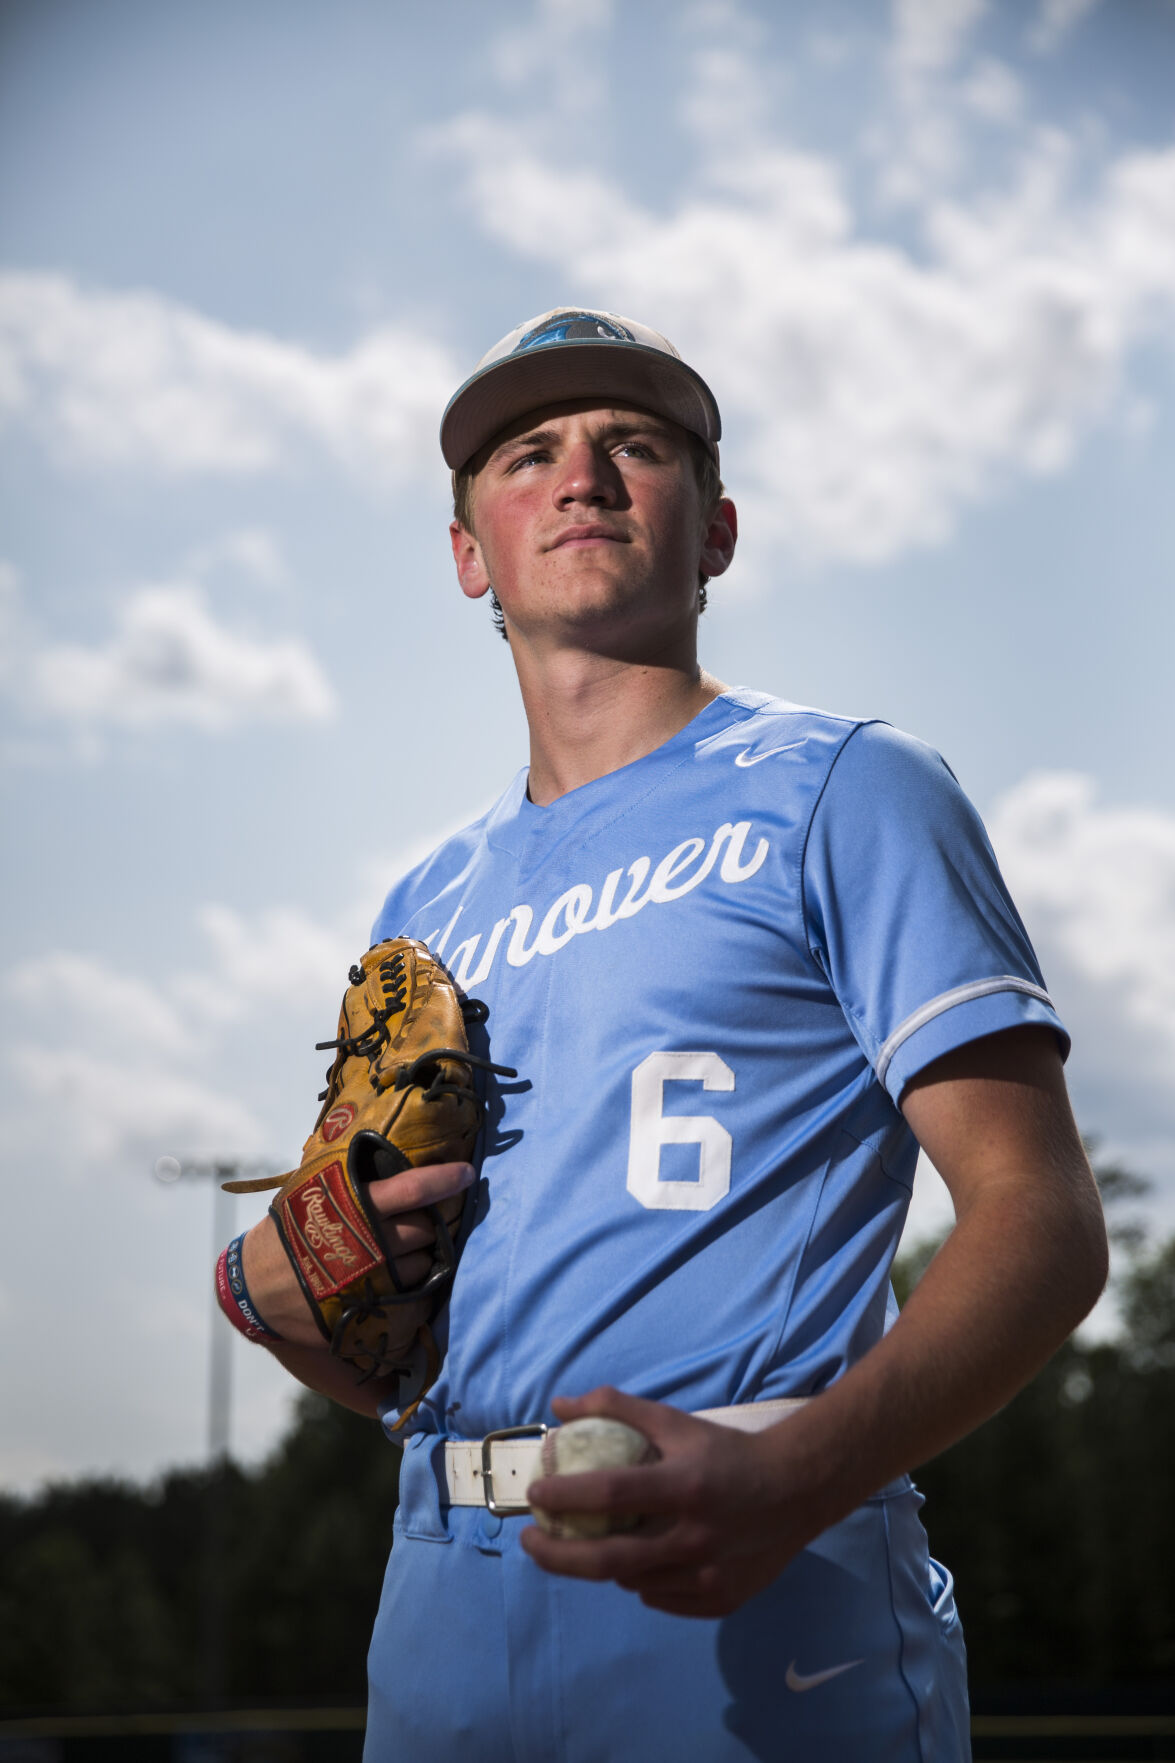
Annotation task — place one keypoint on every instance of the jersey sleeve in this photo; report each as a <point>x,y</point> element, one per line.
<point>907,913</point>
<point>409,894</point>
<point>393,914</point>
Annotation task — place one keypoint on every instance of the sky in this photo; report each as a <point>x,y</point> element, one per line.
<point>925,257</point>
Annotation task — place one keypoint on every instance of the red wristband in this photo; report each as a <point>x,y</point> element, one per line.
<point>232,1294</point>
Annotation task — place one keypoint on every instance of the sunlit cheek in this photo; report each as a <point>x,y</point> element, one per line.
<point>503,531</point>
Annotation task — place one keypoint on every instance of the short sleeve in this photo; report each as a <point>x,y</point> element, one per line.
<point>393,914</point>
<point>409,895</point>
<point>907,912</point>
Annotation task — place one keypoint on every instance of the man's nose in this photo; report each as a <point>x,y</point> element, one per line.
<point>588,476</point>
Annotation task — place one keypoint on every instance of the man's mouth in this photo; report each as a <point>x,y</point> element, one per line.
<point>587,535</point>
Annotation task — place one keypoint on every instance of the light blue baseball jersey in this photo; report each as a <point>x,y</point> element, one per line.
<point>715,970</point>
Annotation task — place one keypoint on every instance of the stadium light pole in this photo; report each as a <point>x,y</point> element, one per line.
<point>218,1170</point>
<point>214,1575</point>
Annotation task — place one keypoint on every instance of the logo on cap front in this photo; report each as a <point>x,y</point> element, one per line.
<point>574,327</point>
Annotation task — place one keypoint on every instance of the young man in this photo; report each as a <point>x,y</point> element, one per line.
<point>746,958</point>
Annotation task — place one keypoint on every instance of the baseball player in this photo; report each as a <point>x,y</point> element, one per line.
<point>746,957</point>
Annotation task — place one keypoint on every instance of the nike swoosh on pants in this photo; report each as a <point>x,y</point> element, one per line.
<point>800,1681</point>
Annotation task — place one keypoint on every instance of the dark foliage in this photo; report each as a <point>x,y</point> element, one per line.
<point>1056,1520</point>
<point>1056,1517</point>
<point>223,1587</point>
<point>208,1587</point>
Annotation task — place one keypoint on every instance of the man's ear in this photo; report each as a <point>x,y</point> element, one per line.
<point>471,569</point>
<point>719,539</point>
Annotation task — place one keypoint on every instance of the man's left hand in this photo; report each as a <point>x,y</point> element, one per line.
<point>721,1517</point>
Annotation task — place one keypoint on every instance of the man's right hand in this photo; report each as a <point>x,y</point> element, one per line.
<point>409,1231</point>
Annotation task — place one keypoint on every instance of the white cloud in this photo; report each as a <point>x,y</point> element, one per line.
<point>517,191</point>
<point>1100,882</point>
<point>110,1008</point>
<point>871,390</point>
<point>993,92</point>
<point>252,551</point>
<point>930,129</point>
<point>137,380</point>
<point>278,958</point>
<point>1096,886</point>
<point>929,35</point>
<point>283,958</point>
<point>553,47</point>
<point>725,102</point>
<point>918,142</point>
<point>106,1109</point>
<point>170,660</point>
<point>1054,21</point>
<point>130,1067</point>
<point>123,1064</point>
<point>11,610</point>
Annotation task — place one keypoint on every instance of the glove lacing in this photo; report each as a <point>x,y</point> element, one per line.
<point>371,1043</point>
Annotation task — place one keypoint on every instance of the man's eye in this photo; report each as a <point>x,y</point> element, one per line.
<point>641,449</point>
<point>536,456</point>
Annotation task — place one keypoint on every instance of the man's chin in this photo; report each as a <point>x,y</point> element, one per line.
<point>619,626</point>
<point>596,588</point>
<point>601,613</point>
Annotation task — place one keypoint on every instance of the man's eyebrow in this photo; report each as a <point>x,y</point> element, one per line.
<point>611,431</point>
<point>644,425</point>
<point>533,438</point>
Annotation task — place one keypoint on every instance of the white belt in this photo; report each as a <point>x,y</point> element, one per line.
<point>496,1471</point>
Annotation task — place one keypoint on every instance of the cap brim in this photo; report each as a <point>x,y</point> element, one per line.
<point>501,392</point>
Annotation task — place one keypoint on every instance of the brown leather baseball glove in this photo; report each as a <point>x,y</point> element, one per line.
<point>399,1095</point>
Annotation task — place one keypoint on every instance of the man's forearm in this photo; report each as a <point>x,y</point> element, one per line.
<point>277,1298</point>
<point>306,1355</point>
<point>1016,1276</point>
<point>318,1370</point>
<point>1025,1262</point>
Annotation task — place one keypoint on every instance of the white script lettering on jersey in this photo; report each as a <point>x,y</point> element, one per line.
<point>571,915</point>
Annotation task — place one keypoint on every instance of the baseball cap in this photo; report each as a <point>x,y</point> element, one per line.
<point>574,352</point>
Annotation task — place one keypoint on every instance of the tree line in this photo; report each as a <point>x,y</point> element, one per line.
<point>225,1586</point>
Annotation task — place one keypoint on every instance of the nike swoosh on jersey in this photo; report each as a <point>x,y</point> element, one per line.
<point>800,1681</point>
<point>747,758</point>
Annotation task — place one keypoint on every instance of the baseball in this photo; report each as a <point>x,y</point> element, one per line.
<point>580,1447</point>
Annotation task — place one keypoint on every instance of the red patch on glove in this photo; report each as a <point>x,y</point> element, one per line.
<point>329,1233</point>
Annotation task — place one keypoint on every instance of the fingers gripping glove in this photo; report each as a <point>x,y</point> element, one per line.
<point>399,1095</point>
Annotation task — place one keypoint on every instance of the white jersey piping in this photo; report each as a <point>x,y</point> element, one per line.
<point>977,988</point>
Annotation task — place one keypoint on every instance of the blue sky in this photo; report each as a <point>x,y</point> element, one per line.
<point>924,255</point>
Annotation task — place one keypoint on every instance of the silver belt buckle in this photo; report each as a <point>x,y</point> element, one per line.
<point>487,1479</point>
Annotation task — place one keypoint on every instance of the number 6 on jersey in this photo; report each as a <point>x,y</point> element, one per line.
<point>651,1129</point>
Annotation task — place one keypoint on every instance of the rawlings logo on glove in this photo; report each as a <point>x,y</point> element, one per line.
<point>399,1095</point>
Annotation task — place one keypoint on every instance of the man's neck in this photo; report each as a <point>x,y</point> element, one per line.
<point>590,714</point>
